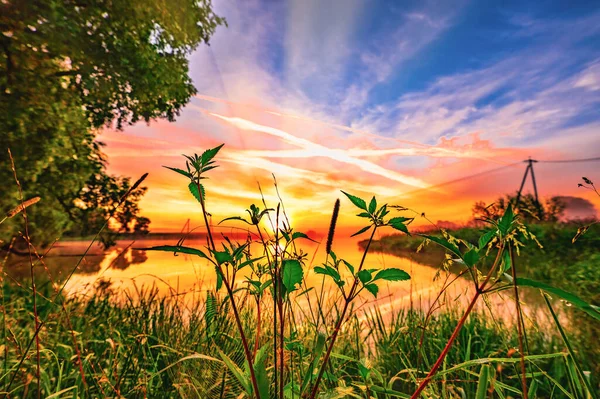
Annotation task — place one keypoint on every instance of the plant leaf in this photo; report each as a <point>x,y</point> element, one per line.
<point>180,171</point>
<point>298,234</point>
<point>359,202</point>
<point>329,271</point>
<point>236,371</point>
<point>349,266</point>
<point>484,380</point>
<point>373,205</point>
<point>372,288</point>
<point>176,249</point>
<point>506,220</point>
<point>210,154</point>
<point>361,231</point>
<point>193,187</point>
<point>392,274</point>
<point>292,274</point>
<point>486,238</point>
<point>398,224</point>
<point>444,243</point>
<point>364,276</point>
<point>235,218</point>
<point>590,309</point>
<point>222,257</point>
<point>471,257</point>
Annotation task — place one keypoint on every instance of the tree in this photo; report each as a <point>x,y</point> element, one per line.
<point>72,67</point>
<point>529,209</point>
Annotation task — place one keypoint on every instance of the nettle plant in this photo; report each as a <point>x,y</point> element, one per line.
<point>274,276</point>
<point>500,240</point>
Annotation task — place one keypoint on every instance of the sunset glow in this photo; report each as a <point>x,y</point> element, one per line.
<point>394,114</point>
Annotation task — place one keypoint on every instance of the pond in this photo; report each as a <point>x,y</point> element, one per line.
<point>129,269</point>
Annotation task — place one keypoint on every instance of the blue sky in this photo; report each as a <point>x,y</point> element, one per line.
<point>414,92</point>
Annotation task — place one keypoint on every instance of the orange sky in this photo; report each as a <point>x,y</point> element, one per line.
<point>313,160</point>
<point>376,99</point>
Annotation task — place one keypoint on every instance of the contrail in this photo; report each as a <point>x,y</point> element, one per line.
<point>435,149</point>
<point>319,150</point>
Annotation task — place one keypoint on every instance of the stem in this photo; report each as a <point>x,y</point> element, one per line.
<point>247,352</point>
<point>459,326</point>
<point>32,275</point>
<point>340,320</point>
<point>258,325</point>
<point>519,324</point>
<point>236,315</point>
<point>273,279</point>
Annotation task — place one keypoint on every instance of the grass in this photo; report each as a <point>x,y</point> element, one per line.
<point>270,335</point>
<point>152,346</point>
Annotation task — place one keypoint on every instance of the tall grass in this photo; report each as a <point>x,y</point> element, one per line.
<point>253,334</point>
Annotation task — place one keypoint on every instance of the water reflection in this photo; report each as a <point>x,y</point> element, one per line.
<point>128,269</point>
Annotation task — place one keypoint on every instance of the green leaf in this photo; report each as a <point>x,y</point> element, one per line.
<point>210,308</point>
<point>329,271</point>
<point>235,218</point>
<point>364,215</point>
<point>373,205</point>
<point>260,370</point>
<point>392,274</point>
<point>298,234</point>
<point>484,380</point>
<point>486,238</point>
<point>292,274</point>
<point>471,257</point>
<point>222,257</point>
<point>209,154</point>
<point>236,371</point>
<point>193,187</point>
<point>506,220</point>
<point>592,310</point>
<point>506,261</point>
<point>176,249</point>
<point>364,276</point>
<point>444,243</point>
<point>309,374</point>
<point>361,231</point>
<point>359,202</point>
<point>398,224</point>
<point>349,266</point>
<point>372,288</point>
<point>285,235</point>
<point>180,171</point>
<point>219,278</point>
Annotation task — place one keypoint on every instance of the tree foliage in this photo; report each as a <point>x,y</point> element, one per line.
<point>72,67</point>
<point>551,210</point>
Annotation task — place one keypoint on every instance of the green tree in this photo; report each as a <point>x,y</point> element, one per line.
<point>530,210</point>
<point>70,68</point>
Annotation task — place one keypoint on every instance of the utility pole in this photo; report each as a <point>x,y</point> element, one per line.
<point>528,169</point>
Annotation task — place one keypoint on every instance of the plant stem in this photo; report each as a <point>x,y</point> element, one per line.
<point>520,326</point>
<point>340,320</point>
<point>236,314</point>
<point>459,326</point>
<point>274,282</point>
<point>32,275</point>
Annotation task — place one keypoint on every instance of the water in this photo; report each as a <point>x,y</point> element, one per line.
<point>129,269</point>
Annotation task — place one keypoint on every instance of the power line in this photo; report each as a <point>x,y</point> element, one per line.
<point>463,178</point>
<point>571,160</point>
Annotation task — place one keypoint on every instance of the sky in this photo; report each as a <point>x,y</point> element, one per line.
<point>385,98</point>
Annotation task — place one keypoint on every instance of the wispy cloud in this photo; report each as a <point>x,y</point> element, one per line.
<point>303,89</point>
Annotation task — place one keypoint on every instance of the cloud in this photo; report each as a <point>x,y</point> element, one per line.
<point>293,89</point>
